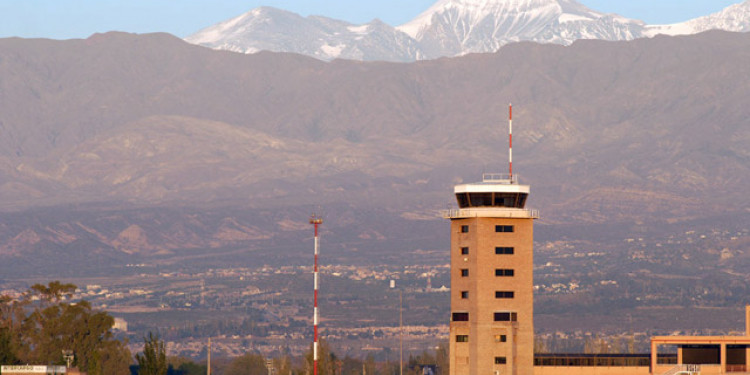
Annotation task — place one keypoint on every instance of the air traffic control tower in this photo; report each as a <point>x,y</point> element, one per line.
<point>492,262</point>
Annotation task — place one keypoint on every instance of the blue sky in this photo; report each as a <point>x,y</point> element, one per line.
<point>65,19</point>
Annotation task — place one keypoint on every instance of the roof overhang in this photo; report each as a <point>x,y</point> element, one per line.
<point>700,340</point>
<point>491,188</point>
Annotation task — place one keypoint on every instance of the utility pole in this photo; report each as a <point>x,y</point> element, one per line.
<point>208,370</point>
<point>401,333</point>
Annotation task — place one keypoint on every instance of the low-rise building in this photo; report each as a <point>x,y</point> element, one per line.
<point>36,370</point>
<point>704,355</point>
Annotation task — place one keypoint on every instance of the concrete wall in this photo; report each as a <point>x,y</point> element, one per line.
<point>481,304</point>
<point>573,370</point>
<point>711,370</point>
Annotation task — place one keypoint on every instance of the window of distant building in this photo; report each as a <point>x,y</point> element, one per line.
<point>464,229</point>
<point>500,272</point>
<point>504,294</point>
<point>462,338</point>
<point>504,228</point>
<point>464,294</point>
<point>504,251</point>
<point>464,251</point>
<point>501,338</point>
<point>506,317</point>
<point>460,317</point>
<point>464,272</point>
<point>500,360</point>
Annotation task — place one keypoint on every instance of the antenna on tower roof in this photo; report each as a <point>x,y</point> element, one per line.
<point>510,142</point>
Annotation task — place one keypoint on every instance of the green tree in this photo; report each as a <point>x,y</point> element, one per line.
<point>352,365</point>
<point>283,365</point>
<point>184,366</point>
<point>113,358</point>
<point>176,362</point>
<point>7,351</point>
<point>631,344</point>
<point>190,368</point>
<point>442,358</point>
<point>539,345</point>
<point>12,316</point>
<point>75,327</point>
<point>153,360</point>
<point>370,364</point>
<point>37,327</point>
<point>588,345</point>
<point>327,360</point>
<point>415,364</point>
<point>55,291</point>
<point>248,364</point>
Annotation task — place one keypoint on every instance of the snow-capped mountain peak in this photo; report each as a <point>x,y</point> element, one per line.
<point>464,26</point>
<point>277,30</point>
<point>447,28</point>
<point>732,18</point>
<point>476,10</point>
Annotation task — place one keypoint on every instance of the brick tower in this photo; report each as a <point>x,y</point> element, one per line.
<point>492,261</point>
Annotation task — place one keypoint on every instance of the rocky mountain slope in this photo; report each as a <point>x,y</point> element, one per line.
<point>143,148</point>
<point>605,131</point>
<point>448,28</point>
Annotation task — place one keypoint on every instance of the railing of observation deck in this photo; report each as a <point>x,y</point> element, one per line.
<point>509,213</point>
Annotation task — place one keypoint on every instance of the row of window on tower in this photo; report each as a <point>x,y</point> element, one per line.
<point>465,338</point>
<point>498,251</point>
<point>498,294</point>
<point>498,229</point>
<point>504,316</point>
<point>499,272</point>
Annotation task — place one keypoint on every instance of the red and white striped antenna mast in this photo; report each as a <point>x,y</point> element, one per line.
<point>315,221</point>
<point>510,142</point>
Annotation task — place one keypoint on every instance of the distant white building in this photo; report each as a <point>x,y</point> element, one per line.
<point>28,369</point>
<point>120,325</point>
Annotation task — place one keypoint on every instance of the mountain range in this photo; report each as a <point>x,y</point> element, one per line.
<point>130,155</point>
<point>448,28</point>
<point>123,147</point>
<point>651,126</point>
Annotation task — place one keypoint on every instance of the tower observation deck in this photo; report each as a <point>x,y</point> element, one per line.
<point>497,195</point>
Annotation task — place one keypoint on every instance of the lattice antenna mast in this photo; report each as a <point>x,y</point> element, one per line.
<point>315,221</point>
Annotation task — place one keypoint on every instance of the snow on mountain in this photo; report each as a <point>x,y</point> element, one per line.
<point>457,27</point>
<point>733,18</point>
<point>448,28</point>
<point>272,29</point>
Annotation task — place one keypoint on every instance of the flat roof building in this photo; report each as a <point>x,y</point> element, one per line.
<point>706,354</point>
<point>37,370</point>
<point>28,370</point>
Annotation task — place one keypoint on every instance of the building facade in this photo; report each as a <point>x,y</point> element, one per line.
<point>492,262</point>
<point>706,354</point>
<point>29,369</point>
